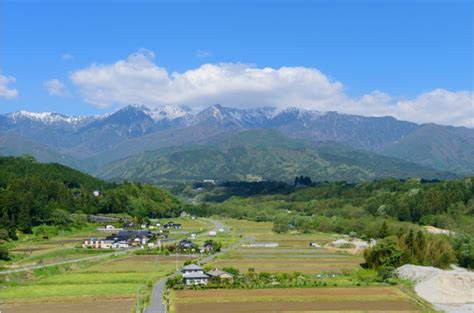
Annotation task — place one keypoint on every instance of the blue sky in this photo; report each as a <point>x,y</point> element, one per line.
<point>399,49</point>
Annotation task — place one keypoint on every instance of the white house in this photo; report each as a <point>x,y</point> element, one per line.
<point>194,275</point>
<point>212,233</point>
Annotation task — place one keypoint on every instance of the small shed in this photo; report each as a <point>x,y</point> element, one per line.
<point>216,273</point>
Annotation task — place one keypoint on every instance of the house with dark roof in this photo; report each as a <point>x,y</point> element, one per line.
<point>187,244</point>
<point>172,225</point>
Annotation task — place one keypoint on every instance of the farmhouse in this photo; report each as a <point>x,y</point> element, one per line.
<point>208,246</point>
<point>187,244</point>
<point>194,275</point>
<point>171,225</point>
<point>125,235</point>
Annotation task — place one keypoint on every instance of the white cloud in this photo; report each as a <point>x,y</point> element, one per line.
<point>439,106</point>
<point>55,87</point>
<point>201,54</point>
<point>139,80</point>
<point>6,91</point>
<point>67,57</point>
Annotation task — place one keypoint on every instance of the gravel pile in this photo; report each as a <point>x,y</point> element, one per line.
<point>451,291</point>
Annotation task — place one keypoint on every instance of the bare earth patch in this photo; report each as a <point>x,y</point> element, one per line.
<point>303,306</point>
<point>361,291</point>
<point>91,306</point>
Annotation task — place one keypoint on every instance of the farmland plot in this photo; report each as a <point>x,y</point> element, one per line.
<point>381,299</point>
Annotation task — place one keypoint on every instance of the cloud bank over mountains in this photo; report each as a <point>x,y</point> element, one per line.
<point>139,80</point>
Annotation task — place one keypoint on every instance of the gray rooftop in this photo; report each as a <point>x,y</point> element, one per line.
<point>192,267</point>
<point>216,273</point>
<point>195,275</point>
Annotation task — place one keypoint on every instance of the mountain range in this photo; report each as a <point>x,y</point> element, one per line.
<point>175,143</point>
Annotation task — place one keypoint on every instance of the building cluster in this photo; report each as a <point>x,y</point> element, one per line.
<point>124,239</point>
<point>195,275</point>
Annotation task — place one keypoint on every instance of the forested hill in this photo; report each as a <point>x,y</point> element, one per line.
<point>27,166</point>
<point>263,154</point>
<point>33,194</point>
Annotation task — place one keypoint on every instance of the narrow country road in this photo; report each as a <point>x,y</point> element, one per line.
<point>156,301</point>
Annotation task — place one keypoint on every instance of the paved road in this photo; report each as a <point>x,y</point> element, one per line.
<point>156,301</point>
<point>95,257</point>
<point>156,304</point>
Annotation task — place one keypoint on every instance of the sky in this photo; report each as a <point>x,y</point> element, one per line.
<point>408,59</point>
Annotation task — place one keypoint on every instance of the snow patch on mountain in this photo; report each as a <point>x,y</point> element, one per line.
<point>166,112</point>
<point>52,118</point>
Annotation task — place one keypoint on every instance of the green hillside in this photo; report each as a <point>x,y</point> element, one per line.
<point>12,168</point>
<point>33,194</point>
<point>261,155</point>
<point>446,148</point>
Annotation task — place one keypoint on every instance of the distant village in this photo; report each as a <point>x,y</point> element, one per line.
<point>147,236</point>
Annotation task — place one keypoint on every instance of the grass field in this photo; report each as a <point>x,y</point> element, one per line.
<point>361,299</point>
<point>116,277</point>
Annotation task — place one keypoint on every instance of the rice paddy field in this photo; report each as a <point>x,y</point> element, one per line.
<point>365,299</point>
<point>108,283</point>
<point>113,284</point>
<point>122,283</point>
<point>33,251</point>
<point>293,253</point>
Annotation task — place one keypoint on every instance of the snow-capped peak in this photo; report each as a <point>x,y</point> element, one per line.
<point>166,112</point>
